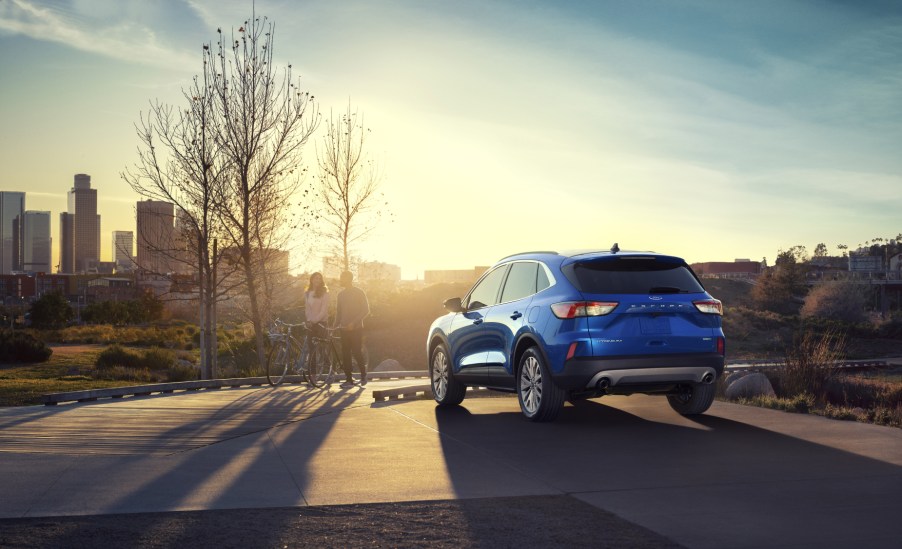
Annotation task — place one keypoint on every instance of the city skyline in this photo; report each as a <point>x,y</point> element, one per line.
<point>707,130</point>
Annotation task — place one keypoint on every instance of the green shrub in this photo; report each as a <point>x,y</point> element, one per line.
<point>121,373</point>
<point>891,329</point>
<point>239,359</point>
<point>118,356</point>
<point>18,346</point>
<point>809,364</point>
<point>181,372</point>
<point>158,359</point>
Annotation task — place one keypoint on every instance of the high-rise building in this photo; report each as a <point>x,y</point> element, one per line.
<point>36,242</point>
<point>155,236</point>
<point>80,229</point>
<point>67,244</point>
<point>123,250</point>
<point>12,207</point>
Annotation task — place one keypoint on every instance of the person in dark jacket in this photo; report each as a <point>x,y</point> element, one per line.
<point>353,307</point>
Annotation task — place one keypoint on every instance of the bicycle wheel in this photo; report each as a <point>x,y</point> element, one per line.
<point>319,369</point>
<point>277,363</point>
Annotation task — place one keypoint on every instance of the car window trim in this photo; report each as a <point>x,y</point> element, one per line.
<point>550,276</point>
<point>497,292</point>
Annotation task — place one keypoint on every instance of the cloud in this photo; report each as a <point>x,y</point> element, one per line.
<point>136,32</point>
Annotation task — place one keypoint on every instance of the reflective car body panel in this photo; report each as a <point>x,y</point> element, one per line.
<point>654,323</point>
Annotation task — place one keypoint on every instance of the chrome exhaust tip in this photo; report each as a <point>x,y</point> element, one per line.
<point>708,379</point>
<point>603,384</point>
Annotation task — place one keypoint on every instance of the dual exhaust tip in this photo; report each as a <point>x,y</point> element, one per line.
<point>604,383</point>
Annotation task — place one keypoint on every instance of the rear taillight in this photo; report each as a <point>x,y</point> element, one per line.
<point>574,309</point>
<point>709,306</point>
<point>721,347</point>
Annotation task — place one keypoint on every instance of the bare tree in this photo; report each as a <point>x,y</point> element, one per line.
<point>180,162</point>
<point>349,182</point>
<point>263,120</point>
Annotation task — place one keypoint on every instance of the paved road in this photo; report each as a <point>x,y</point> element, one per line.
<point>735,477</point>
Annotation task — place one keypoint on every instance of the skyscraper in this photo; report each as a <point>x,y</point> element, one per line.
<point>123,250</point>
<point>80,228</point>
<point>156,231</point>
<point>36,242</point>
<point>12,207</point>
<point>67,244</point>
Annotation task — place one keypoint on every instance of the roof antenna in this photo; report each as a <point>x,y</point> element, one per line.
<point>615,248</point>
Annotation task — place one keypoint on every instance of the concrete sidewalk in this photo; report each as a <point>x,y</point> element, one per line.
<point>735,477</point>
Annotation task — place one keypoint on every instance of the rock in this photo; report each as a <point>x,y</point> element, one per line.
<point>388,365</point>
<point>733,377</point>
<point>187,364</point>
<point>750,386</point>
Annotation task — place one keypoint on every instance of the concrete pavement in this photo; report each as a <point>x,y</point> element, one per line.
<point>735,477</point>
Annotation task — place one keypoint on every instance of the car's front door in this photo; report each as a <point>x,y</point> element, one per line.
<point>467,332</point>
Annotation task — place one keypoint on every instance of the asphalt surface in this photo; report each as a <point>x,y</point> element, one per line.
<point>292,466</point>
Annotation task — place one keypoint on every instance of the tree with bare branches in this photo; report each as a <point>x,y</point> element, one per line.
<point>230,162</point>
<point>180,164</point>
<point>349,181</point>
<point>264,119</point>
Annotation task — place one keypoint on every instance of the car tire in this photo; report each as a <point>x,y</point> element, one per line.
<point>446,390</point>
<point>693,399</point>
<point>540,399</point>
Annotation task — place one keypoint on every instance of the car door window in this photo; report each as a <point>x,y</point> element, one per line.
<point>521,282</point>
<point>485,293</point>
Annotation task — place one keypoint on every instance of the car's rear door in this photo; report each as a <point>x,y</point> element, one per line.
<point>504,321</point>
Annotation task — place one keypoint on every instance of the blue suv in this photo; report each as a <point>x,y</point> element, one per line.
<point>556,326</point>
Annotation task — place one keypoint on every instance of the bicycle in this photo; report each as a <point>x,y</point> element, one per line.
<point>313,362</point>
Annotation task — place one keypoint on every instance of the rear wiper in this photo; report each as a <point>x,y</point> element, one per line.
<point>665,290</point>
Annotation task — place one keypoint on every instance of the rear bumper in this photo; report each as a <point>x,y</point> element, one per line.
<point>586,373</point>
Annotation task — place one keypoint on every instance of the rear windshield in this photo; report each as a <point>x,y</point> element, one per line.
<point>632,276</point>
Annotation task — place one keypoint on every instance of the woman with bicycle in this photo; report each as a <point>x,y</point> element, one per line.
<point>316,306</point>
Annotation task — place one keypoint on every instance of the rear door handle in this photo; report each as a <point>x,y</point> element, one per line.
<point>516,315</point>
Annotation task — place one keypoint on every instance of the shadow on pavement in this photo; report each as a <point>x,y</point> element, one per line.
<point>664,471</point>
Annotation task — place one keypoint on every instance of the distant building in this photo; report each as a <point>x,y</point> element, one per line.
<point>12,208</point>
<point>123,250</point>
<point>462,276</point>
<point>740,268</point>
<point>80,228</point>
<point>36,242</point>
<point>865,263</point>
<point>334,265</point>
<point>67,244</point>
<point>155,236</point>
<point>377,271</point>
<point>895,263</point>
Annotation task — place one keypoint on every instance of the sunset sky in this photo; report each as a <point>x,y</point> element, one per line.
<point>706,129</point>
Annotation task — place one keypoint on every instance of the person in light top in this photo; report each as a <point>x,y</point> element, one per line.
<point>316,305</point>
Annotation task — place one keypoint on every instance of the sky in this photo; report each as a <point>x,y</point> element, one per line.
<point>705,129</point>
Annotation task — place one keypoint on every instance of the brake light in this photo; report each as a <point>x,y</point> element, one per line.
<point>709,306</point>
<point>721,346</point>
<point>574,309</point>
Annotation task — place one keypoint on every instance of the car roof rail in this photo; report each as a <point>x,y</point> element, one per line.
<point>529,253</point>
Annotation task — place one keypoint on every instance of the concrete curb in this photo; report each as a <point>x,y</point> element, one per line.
<point>91,395</point>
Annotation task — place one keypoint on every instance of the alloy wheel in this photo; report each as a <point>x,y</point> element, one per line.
<point>531,385</point>
<point>439,375</point>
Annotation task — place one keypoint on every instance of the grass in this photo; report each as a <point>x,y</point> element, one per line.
<point>70,368</point>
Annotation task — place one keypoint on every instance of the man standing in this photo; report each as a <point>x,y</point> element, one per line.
<point>353,307</point>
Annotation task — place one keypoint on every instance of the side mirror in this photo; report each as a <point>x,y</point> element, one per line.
<point>453,305</point>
